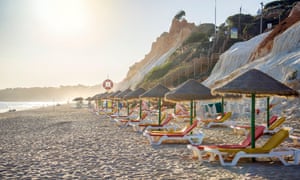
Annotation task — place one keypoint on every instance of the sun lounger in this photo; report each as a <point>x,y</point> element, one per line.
<point>165,123</point>
<point>124,122</point>
<point>275,124</point>
<point>259,132</point>
<point>118,115</point>
<point>268,150</point>
<point>187,133</point>
<point>296,139</point>
<point>222,120</point>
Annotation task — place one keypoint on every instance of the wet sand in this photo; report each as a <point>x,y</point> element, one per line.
<point>70,143</point>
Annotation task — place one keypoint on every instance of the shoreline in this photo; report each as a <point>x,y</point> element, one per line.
<point>13,106</point>
<point>75,143</point>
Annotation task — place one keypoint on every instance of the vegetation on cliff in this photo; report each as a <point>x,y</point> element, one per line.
<point>200,51</point>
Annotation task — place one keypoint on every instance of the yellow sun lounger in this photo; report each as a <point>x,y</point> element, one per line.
<point>275,125</point>
<point>220,120</point>
<point>267,150</point>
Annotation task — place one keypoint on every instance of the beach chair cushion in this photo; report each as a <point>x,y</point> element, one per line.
<point>259,131</point>
<point>267,150</point>
<point>272,143</point>
<point>157,137</point>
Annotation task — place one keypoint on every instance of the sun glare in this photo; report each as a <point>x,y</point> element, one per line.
<point>63,17</point>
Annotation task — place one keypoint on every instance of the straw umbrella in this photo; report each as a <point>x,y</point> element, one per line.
<point>252,83</point>
<point>190,90</point>
<point>114,97</point>
<point>78,101</point>
<point>100,97</point>
<point>159,92</point>
<point>105,96</point>
<point>135,95</point>
<point>96,98</point>
<point>122,94</point>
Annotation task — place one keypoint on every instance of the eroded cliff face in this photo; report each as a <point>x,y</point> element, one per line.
<point>161,49</point>
<point>267,44</point>
<point>276,53</point>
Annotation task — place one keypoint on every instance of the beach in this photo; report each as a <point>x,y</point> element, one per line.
<point>63,142</point>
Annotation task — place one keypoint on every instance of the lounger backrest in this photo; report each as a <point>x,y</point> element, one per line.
<point>191,127</point>
<point>277,123</point>
<point>259,131</point>
<point>144,115</point>
<point>273,119</point>
<point>163,116</point>
<point>276,139</point>
<point>226,117</point>
<point>167,119</point>
<point>180,110</point>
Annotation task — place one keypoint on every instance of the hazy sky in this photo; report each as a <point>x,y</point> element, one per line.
<point>70,42</point>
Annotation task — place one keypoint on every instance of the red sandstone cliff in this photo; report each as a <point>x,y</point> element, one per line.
<point>266,45</point>
<point>179,31</point>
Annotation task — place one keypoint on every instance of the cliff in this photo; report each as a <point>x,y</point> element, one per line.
<point>267,44</point>
<point>161,49</point>
<point>276,53</point>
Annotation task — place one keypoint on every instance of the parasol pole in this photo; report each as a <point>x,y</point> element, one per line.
<point>118,102</point>
<point>222,106</point>
<point>112,105</point>
<point>159,110</point>
<point>175,109</point>
<point>253,120</point>
<point>106,106</point>
<point>191,113</point>
<point>195,113</point>
<point>100,105</point>
<point>127,107</point>
<point>140,108</point>
<point>268,111</point>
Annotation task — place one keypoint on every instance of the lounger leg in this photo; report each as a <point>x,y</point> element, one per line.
<point>152,140</point>
<point>161,139</point>
<point>196,152</point>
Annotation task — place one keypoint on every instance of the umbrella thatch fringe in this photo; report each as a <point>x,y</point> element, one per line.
<point>243,95</point>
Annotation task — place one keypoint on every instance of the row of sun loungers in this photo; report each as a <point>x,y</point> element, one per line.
<point>168,131</point>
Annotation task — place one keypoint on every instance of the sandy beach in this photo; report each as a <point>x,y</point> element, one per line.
<point>70,143</point>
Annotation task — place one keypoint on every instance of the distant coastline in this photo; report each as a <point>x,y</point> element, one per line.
<point>12,106</point>
<point>48,94</point>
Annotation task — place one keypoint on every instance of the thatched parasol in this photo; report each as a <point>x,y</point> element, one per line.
<point>96,96</point>
<point>78,99</point>
<point>114,95</point>
<point>159,92</point>
<point>121,96</point>
<point>189,91</point>
<point>106,95</point>
<point>255,82</point>
<point>135,95</point>
<point>123,93</point>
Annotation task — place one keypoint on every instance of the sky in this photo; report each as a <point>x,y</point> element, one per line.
<point>49,43</point>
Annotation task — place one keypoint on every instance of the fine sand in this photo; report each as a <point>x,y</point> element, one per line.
<point>70,143</point>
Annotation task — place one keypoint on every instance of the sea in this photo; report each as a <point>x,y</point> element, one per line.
<point>11,106</point>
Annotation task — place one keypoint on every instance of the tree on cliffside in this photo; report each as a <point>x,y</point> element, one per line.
<point>179,15</point>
